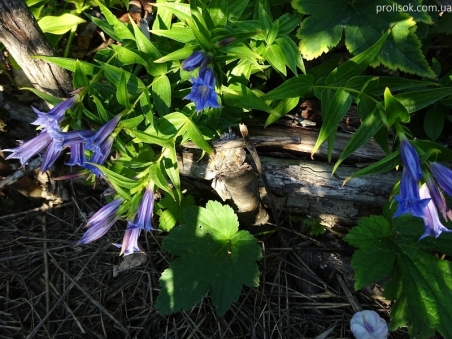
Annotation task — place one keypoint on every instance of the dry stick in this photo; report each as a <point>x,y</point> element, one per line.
<point>350,297</point>
<point>94,301</point>
<point>43,320</point>
<point>20,173</point>
<point>46,263</point>
<point>257,161</point>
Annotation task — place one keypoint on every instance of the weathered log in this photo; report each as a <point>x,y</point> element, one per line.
<point>22,37</point>
<point>301,185</point>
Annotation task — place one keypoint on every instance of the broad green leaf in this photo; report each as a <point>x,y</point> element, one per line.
<point>120,183</point>
<point>120,29</point>
<point>156,174</point>
<point>339,105</point>
<point>69,64</point>
<point>355,66</point>
<point>218,10</point>
<point>122,94</point>
<point>199,26</point>
<point>273,33</point>
<point>295,87</point>
<point>362,26</point>
<point>79,79</point>
<point>196,136</point>
<point>394,110</point>
<point>290,53</point>
<point>283,107</point>
<point>236,8</point>
<point>213,255</point>
<point>114,74</point>
<point>275,57</point>
<point>131,123</point>
<point>362,135</point>
<point>127,56</point>
<point>241,96</point>
<point>161,93</point>
<point>434,122</point>
<point>173,212</point>
<point>420,281</point>
<point>184,34</point>
<point>59,24</point>
<point>103,115</point>
<point>182,53</point>
<point>414,101</point>
<point>150,139</point>
<point>373,238</point>
<point>182,11</point>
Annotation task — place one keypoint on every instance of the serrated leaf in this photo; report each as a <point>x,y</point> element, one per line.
<point>339,105</point>
<point>173,211</point>
<point>374,259</point>
<point>213,256</point>
<point>362,26</point>
<point>355,66</point>
<point>59,24</point>
<point>295,87</point>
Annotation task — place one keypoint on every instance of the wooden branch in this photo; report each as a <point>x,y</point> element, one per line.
<point>305,186</point>
<point>22,37</point>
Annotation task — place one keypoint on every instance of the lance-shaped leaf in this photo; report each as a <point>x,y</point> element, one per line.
<point>213,256</point>
<point>339,105</point>
<point>293,88</point>
<point>414,101</point>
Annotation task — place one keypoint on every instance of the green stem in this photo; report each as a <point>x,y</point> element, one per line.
<point>69,41</point>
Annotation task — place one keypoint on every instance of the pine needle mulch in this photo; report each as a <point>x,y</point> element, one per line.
<point>50,288</point>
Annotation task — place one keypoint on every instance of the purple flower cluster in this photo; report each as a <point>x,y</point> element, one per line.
<point>203,91</point>
<point>423,202</point>
<point>55,140</point>
<point>101,222</point>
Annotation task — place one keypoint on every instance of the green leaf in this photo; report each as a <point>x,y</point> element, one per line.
<point>283,107</point>
<point>355,66</point>
<point>43,95</point>
<point>114,75</point>
<point>127,56</point>
<point>199,26</point>
<point>213,256</point>
<point>290,54</point>
<point>122,94</point>
<point>275,57</point>
<point>79,79</point>
<point>150,139</point>
<point>339,105</point>
<point>420,281</point>
<point>218,10</point>
<point>196,136</point>
<point>156,174</point>
<point>101,110</point>
<point>69,64</point>
<point>414,101</point>
<point>184,34</point>
<point>362,135</point>
<point>121,31</point>
<point>384,165</point>
<point>240,96</point>
<point>434,122</point>
<point>173,211</point>
<point>394,110</point>
<point>373,238</point>
<point>59,24</point>
<point>119,182</point>
<point>161,93</point>
<point>295,87</point>
<point>131,123</point>
<point>169,164</point>
<point>362,25</point>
